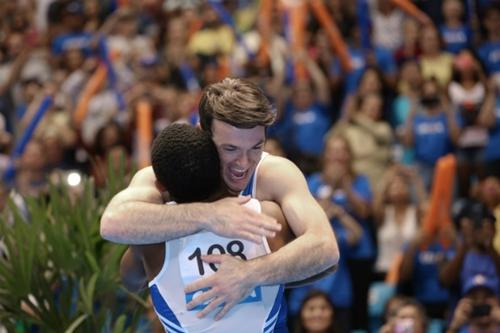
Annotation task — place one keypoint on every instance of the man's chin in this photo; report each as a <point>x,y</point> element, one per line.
<point>232,189</point>
<point>235,187</point>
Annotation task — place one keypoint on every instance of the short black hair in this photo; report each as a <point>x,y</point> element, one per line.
<point>185,161</point>
<point>473,210</point>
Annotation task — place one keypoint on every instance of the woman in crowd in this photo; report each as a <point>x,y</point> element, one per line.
<point>352,192</point>
<point>316,314</point>
<point>396,214</point>
<point>467,93</point>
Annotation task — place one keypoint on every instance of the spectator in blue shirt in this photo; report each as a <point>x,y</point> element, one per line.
<point>431,129</point>
<point>455,34</point>
<point>352,192</point>
<point>72,36</point>
<point>479,308</point>
<point>306,118</point>
<point>361,59</point>
<point>475,253</point>
<point>348,233</point>
<point>492,120</point>
<point>420,266</point>
<point>489,51</point>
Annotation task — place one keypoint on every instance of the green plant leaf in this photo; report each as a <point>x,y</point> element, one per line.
<point>74,325</point>
<point>58,257</point>
<point>119,326</point>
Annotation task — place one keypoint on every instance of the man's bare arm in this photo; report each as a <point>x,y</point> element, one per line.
<point>137,215</point>
<point>132,272</point>
<point>314,278</point>
<point>284,237</point>
<point>315,248</point>
<point>313,251</point>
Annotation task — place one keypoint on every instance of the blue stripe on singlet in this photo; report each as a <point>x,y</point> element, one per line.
<point>166,314</point>
<point>249,187</point>
<point>281,324</point>
<point>276,314</point>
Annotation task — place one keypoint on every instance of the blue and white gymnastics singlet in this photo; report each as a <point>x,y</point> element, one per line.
<point>261,311</point>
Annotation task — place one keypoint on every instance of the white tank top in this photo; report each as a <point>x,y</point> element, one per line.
<point>259,312</point>
<point>393,236</point>
<point>251,187</point>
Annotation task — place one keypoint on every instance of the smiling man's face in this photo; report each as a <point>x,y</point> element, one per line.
<point>239,150</point>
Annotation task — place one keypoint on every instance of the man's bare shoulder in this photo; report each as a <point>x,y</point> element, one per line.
<point>143,177</point>
<point>142,187</point>
<point>276,174</point>
<point>277,167</point>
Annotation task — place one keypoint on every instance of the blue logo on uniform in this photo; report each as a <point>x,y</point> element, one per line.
<point>255,296</point>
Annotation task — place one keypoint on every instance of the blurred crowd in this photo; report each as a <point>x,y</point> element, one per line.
<point>368,138</point>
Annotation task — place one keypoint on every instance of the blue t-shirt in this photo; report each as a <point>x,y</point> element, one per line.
<point>456,39</point>
<point>426,284</point>
<point>477,263</point>
<point>385,61</point>
<point>400,110</point>
<point>431,137</point>
<point>365,248</point>
<point>303,131</point>
<point>337,285</point>
<point>492,149</point>
<point>80,41</point>
<point>489,53</point>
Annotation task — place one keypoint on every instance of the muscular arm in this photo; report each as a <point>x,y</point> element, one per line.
<point>140,264</point>
<point>137,215</point>
<point>315,244</point>
<point>284,237</point>
<point>132,270</point>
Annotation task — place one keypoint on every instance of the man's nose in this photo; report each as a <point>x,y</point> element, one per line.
<point>243,160</point>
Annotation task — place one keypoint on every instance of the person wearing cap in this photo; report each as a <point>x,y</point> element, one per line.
<point>479,309</point>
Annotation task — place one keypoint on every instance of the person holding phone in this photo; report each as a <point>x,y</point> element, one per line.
<point>479,310</point>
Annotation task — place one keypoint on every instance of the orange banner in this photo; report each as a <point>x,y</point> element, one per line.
<point>144,121</point>
<point>439,211</point>
<point>93,85</point>
<point>409,8</point>
<point>264,25</point>
<point>331,29</point>
<point>123,3</point>
<point>298,28</point>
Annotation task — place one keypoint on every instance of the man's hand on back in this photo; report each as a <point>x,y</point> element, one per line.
<point>230,218</point>
<point>228,286</point>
